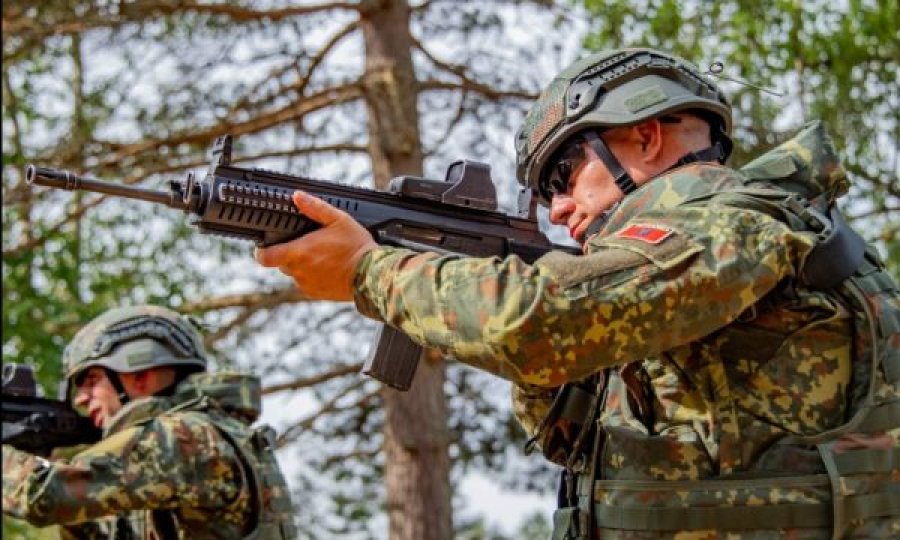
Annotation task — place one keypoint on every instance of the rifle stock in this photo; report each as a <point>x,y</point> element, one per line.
<point>458,215</point>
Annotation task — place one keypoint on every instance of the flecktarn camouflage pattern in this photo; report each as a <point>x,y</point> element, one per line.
<point>738,402</point>
<point>608,89</point>
<point>187,466</point>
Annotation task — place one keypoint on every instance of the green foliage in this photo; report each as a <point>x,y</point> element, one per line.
<point>837,61</point>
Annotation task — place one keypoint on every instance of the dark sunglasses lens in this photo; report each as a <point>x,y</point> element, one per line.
<point>561,168</point>
<point>559,178</point>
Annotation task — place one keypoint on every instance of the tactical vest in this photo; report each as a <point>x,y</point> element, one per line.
<point>256,450</point>
<point>841,483</point>
<point>256,447</point>
<point>270,500</point>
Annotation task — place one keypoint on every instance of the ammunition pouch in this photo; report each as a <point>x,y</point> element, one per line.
<point>569,422</point>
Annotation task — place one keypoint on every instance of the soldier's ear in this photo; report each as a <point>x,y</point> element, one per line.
<point>649,135</point>
<point>137,383</point>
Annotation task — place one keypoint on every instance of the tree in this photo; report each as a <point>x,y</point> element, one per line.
<point>835,61</point>
<point>350,91</point>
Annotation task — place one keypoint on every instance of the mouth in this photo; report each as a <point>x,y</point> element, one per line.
<point>576,232</point>
<point>96,417</point>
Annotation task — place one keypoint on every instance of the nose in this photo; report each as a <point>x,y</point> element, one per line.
<point>561,207</point>
<point>81,397</point>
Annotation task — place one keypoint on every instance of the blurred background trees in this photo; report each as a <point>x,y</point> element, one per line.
<point>357,92</point>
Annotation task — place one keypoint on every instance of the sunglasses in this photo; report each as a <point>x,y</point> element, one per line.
<point>558,172</point>
<point>554,180</point>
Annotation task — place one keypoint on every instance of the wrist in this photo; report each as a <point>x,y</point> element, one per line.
<point>359,288</point>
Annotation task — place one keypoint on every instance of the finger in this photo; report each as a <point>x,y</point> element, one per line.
<point>316,209</point>
<point>277,255</point>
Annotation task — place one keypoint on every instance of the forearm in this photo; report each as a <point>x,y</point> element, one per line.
<point>140,468</point>
<point>465,307</point>
<point>566,317</point>
<point>19,471</point>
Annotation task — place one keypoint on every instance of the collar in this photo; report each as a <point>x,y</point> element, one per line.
<point>665,191</point>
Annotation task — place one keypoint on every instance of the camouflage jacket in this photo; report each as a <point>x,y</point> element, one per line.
<point>630,298</point>
<point>689,300</point>
<point>167,467</point>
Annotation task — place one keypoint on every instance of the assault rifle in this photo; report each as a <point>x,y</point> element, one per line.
<point>37,424</point>
<point>458,215</point>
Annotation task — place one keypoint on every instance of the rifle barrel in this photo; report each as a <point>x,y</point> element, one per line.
<point>60,179</point>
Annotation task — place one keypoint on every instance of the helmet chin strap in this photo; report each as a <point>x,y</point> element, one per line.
<point>116,383</point>
<point>622,179</point>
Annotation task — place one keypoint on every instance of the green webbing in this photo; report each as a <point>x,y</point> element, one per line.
<point>838,501</point>
<point>891,365</point>
<point>872,506</point>
<point>781,516</point>
<point>567,524</point>
<point>867,461</point>
<point>882,418</point>
<point>889,324</point>
<point>734,518</point>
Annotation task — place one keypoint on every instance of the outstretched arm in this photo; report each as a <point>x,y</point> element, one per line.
<point>167,463</point>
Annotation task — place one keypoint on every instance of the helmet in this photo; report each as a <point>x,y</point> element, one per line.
<point>130,339</point>
<point>610,89</point>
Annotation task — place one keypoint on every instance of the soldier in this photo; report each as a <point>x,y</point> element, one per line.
<point>178,458</point>
<point>723,359</point>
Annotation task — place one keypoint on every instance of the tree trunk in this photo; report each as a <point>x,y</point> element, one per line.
<point>417,463</point>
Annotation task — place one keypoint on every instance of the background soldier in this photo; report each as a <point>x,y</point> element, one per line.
<point>178,458</point>
<point>725,356</point>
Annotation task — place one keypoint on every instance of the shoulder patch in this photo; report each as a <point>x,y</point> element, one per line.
<point>648,233</point>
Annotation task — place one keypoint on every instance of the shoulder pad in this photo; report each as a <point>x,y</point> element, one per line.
<point>806,164</point>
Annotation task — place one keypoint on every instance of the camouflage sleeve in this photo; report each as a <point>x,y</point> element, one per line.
<point>566,317</point>
<point>170,462</point>
<point>530,405</point>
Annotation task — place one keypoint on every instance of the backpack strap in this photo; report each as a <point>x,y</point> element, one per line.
<point>839,250</point>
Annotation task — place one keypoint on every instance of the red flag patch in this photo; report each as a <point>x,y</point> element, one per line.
<point>651,234</point>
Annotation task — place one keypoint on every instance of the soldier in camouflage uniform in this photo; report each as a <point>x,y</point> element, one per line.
<point>178,458</point>
<point>722,361</point>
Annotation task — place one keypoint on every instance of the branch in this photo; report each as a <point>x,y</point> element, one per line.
<point>331,405</point>
<point>265,299</point>
<point>30,244</point>
<point>301,85</point>
<point>223,331</point>
<point>28,27</point>
<point>466,82</point>
<point>486,91</point>
<point>356,455</point>
<point>243,14</point>
<point>325,98</point>
<point>306,382</point>
<point>460,111</point>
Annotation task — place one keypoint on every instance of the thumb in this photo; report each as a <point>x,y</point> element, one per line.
<point>316,209</point>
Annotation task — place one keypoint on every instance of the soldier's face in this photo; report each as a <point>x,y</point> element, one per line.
<point>589,193</point>
<point>591,190</point>
<point>96,396</point>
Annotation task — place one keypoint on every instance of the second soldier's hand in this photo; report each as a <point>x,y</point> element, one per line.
<point>321,262</point>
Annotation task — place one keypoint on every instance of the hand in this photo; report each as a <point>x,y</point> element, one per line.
<point>321,262</point>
